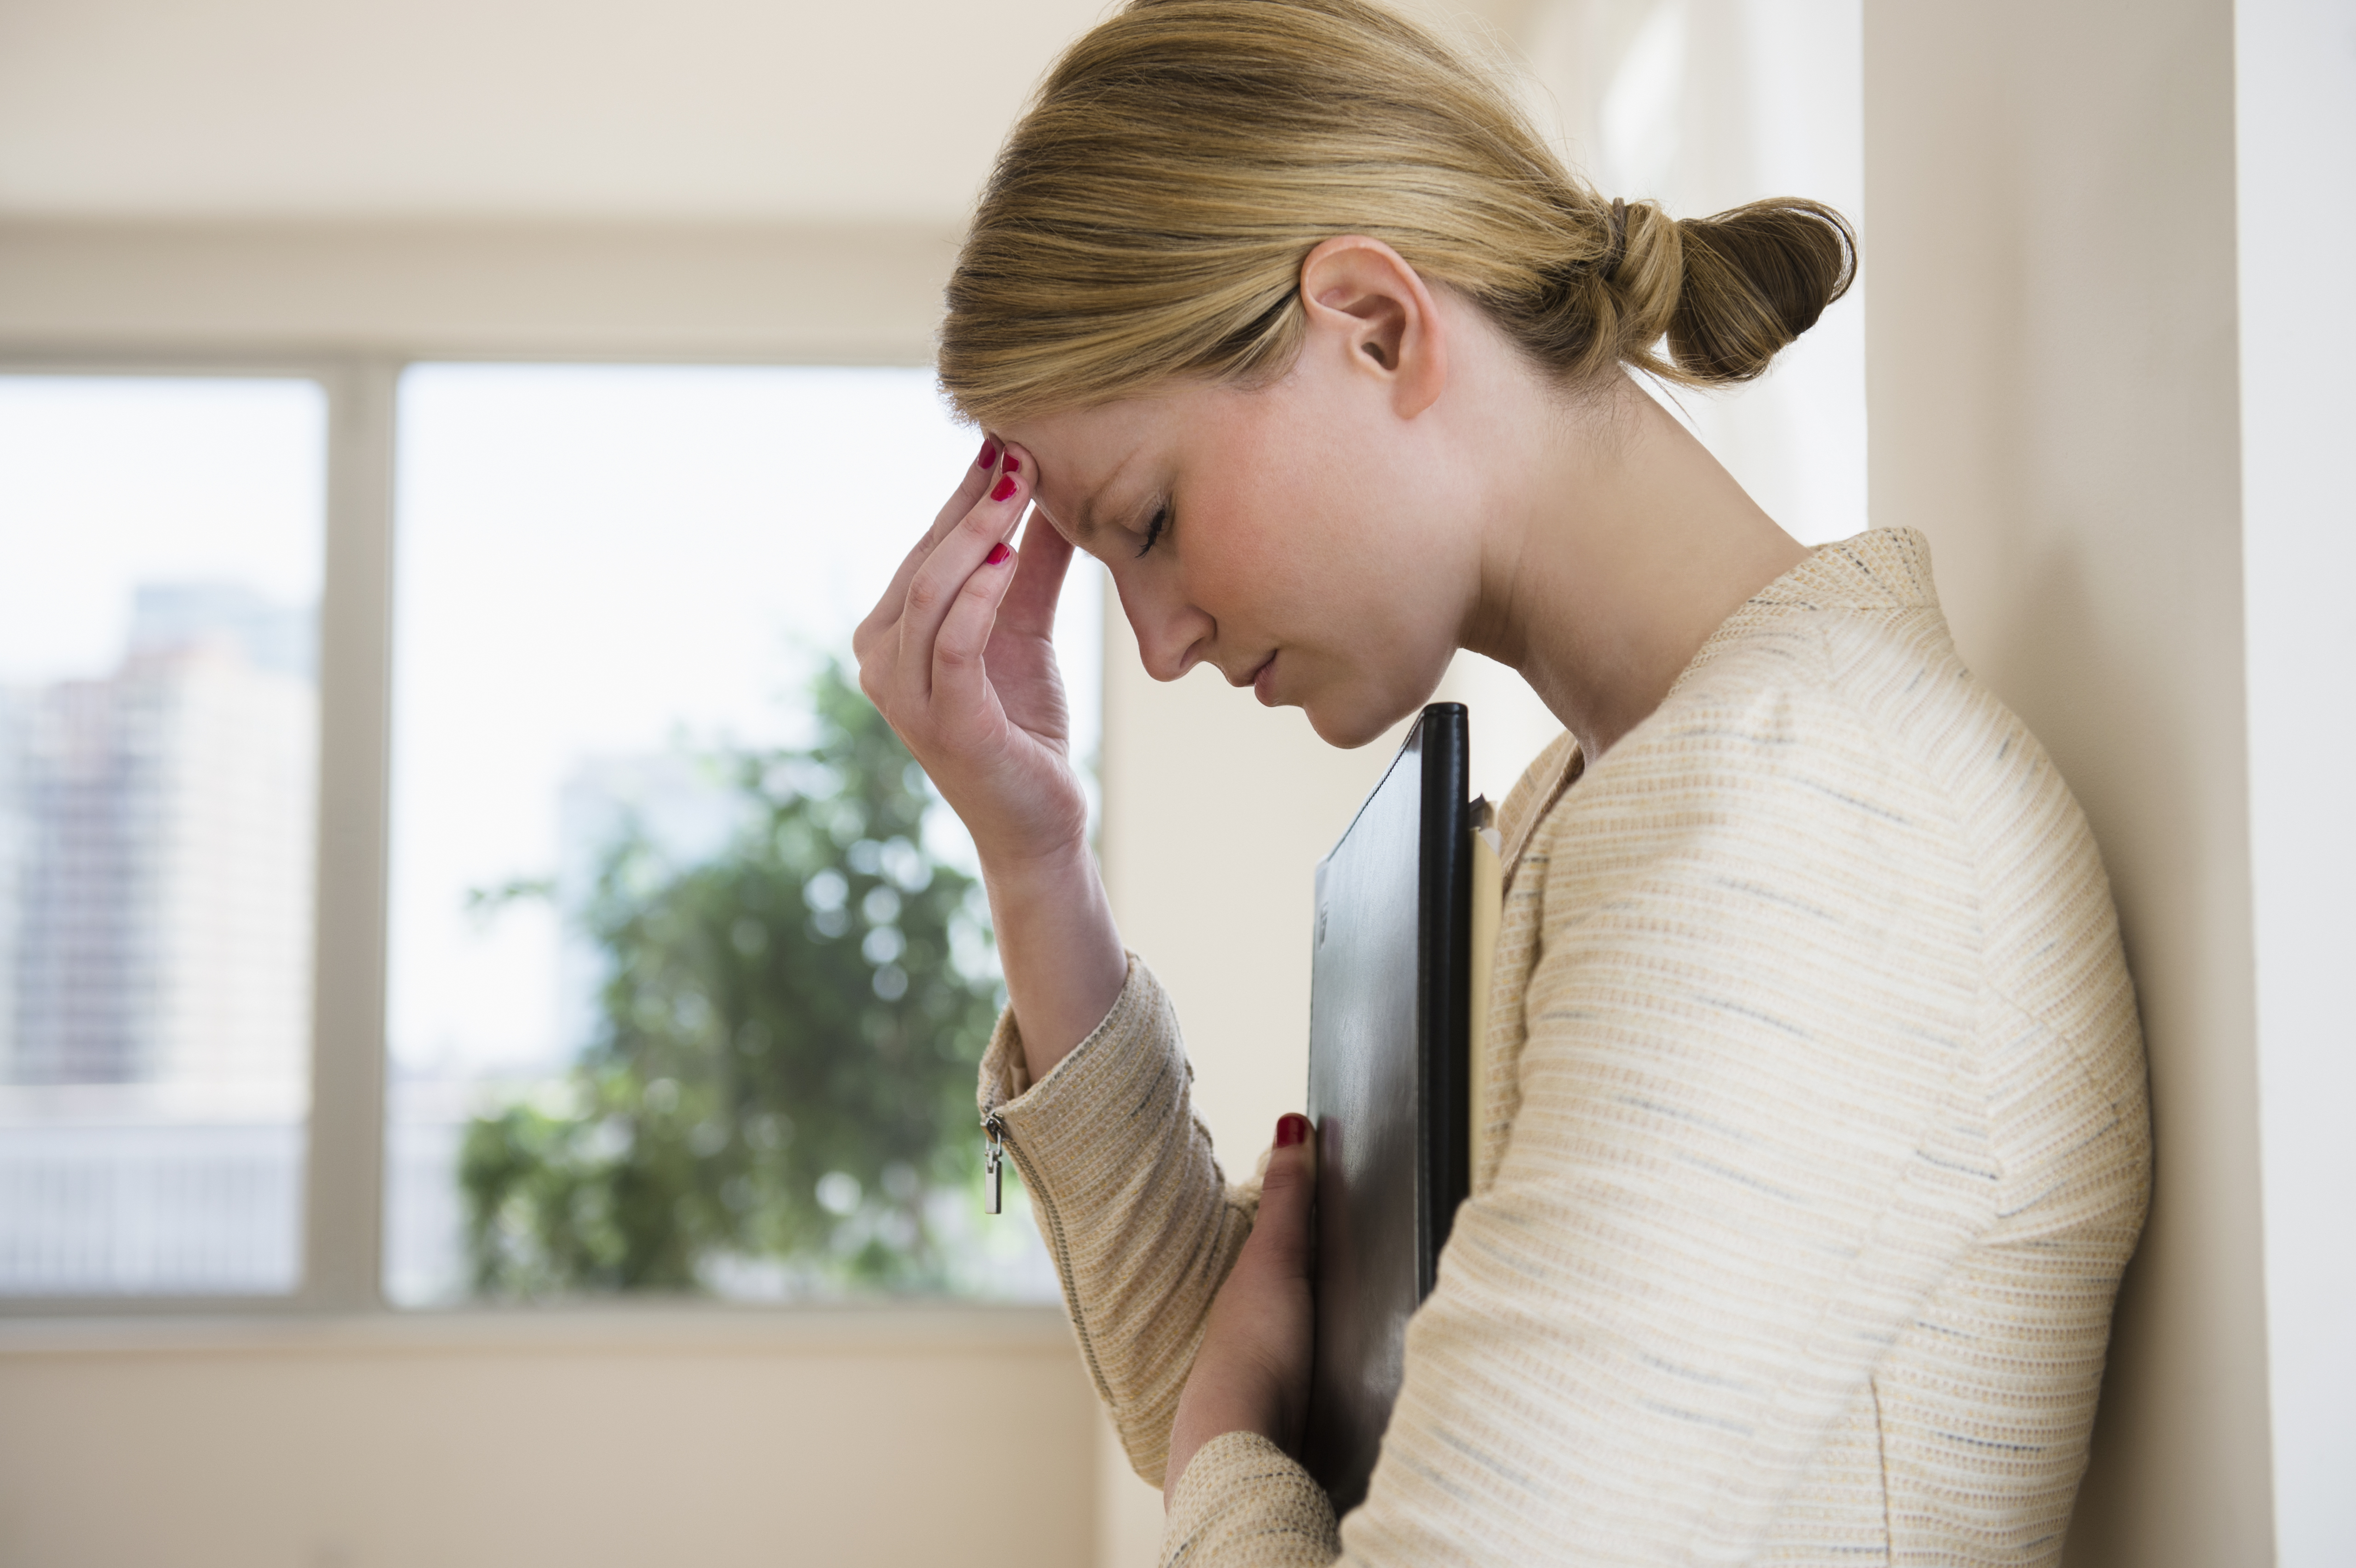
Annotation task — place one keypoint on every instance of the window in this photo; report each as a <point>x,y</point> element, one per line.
<point>596,905</point>
<point>159,772</point>
<point>622,827</point>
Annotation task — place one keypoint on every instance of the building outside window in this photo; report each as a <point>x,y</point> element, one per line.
<point>158,771</point>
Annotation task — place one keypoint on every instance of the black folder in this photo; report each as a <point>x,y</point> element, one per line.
<point>1389,1084</point>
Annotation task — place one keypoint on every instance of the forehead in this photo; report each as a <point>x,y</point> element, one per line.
<point>1094,463</point>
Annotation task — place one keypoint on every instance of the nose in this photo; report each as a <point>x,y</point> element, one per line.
<point>1172,636</point>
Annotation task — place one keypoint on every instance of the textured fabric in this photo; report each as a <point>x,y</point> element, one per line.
<point>1140,1222</point>
<point>1246,1502</point>
<point>1820,1143</point>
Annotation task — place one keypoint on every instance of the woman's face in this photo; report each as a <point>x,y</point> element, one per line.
<point>1293,536</point>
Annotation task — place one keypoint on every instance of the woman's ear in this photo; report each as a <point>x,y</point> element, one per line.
<point>1362,297</point>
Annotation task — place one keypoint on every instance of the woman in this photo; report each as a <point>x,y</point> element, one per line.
<point>1817,1127</point>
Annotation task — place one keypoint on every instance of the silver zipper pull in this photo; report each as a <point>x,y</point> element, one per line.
<point>993,1161</point>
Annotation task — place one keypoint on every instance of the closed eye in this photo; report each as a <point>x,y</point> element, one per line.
<point>1153,529</point>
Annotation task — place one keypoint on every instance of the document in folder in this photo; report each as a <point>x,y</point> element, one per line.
<point>1391,1080</point>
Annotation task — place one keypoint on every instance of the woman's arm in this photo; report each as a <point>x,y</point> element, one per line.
<point>959,656</point>
<point>1133,1207</point>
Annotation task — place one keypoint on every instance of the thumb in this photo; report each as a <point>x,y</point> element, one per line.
<point>1030,607</point>
<point>1288,1194</point>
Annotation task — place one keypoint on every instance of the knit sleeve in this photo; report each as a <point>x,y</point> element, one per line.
<point>1135,1211</point>
<point>1243,1500</point>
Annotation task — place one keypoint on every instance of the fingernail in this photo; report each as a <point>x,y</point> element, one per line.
<point>989,455</point>
<point>1013,463</point>
<point>998,553</point>
<point>1291,1127</point>
<point>1005,487</point>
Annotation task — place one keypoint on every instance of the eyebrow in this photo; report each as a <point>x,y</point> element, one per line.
<point>1088,523</point>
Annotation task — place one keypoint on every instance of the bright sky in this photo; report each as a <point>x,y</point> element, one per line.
<point>107,482</point>
<point>591,562</point>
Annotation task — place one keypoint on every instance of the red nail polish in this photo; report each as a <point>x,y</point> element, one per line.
<point>998,553</point>
<point>1013,463</point>
<point>989,455</point>
<point>1005,487</point>
<point>1291,1128</point>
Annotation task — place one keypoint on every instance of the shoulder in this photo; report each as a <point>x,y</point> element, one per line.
<point>1783,727</point>
<point>1842,757</point>
<point>1773,792</point>
<point>1866,712</point>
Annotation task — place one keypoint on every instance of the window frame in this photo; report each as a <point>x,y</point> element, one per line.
<point>342,1260</point>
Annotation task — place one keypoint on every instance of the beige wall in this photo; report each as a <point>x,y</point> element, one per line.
<point>689,111</point>
<point>2052,376</point>
<point>593,1441</point>
<point>567,290</point>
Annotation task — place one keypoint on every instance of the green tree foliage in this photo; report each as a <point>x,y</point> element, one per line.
<point>783,1070</point>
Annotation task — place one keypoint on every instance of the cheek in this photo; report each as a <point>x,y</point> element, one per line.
<point>1282,524</point>
<point>1241,552</point>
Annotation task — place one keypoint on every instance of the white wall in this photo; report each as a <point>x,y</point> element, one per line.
<point>2295,123</point>
<point>2052,367</point>
<point>1703,105</point>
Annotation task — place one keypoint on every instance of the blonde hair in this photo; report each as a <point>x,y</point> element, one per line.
<point>1148,215</point>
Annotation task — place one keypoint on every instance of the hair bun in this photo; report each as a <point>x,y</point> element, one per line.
<point>1610,262</point>
<point>1754,278</point>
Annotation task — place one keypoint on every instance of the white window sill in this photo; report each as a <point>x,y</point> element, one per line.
<point>628,1329</point>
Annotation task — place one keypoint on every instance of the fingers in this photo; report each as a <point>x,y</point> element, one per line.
<point>961,678</point>
<point>1030,606</point>
<point>940,582</point>
<point>1258,1348</point>
<point>1288,1194</point>
<point>970,490</point>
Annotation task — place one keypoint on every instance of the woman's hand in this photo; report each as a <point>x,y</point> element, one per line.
<point>1251,1373</point>
<point>959,656</point>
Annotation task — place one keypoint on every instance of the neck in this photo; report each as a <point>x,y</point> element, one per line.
<point>1609,562</point>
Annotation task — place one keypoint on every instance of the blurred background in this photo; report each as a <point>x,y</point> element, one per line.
<point>488,1014</point>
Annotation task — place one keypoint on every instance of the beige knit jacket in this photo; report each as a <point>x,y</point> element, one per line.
<point>1817,1144</point>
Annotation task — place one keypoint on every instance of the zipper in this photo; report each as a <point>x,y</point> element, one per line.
<point>994,1153</point>
<point>996,1147</point>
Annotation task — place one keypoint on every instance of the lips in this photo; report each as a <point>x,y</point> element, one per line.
<point>1259,679</point>
<point>1263,682</point>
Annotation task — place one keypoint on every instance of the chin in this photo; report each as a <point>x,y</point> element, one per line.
<point>1351,724</point>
